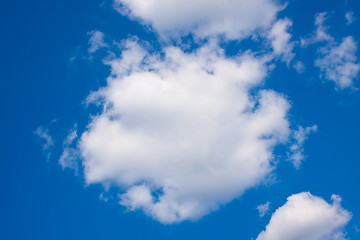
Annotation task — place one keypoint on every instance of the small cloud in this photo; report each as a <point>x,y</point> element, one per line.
<point>280,39</point>
<point>299,67</point>
<point>321,32</point>
<point>349,17</point>
<point>96,41</point>
<point>70,155</point>
<point>43,133</point>
<point>103,197</point>
<point>263,209</point>
<point>338,63</point>
<point>336,59</point>
<point>296,155</point>
<point>305,216</point>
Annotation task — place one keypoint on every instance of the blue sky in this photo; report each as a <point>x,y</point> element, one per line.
<point>168,121</point>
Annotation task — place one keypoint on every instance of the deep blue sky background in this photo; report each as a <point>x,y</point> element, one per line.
<point>40,83</point>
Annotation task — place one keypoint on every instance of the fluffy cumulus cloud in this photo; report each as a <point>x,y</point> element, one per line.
<point>305,216</point>
<point>181,133</point>
<point>233,18</point>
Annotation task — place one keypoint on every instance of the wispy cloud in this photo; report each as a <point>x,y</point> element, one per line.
<point>281,39</point>
<point>336,59</point>
<point>350,18</point>
<point>338,63</point>
<point>70,155</point>
<point>96,41</point>
<point>43,133</point>
<point>263,209</point>
<point>296,155</point>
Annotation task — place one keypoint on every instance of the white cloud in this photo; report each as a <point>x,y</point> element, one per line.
<point>69,157</point>
<point>96,41</point>
<point>338,63</point>
<point>43,133</point>
<point>297,152</point>
<point>263,209</point>
<point>321,32</point>
<point>280,39</point>
<point>180,133</point>
<point>234,19</point>
<point>299,66</point>
<point>350,17</point>
<point>337,60</point>
<point>305,216</point>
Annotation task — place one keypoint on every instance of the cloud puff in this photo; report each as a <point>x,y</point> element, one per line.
<point>349,17</point>
<point>297,155</point>
<point>305,216</point>
<point>181,133</point>
<point>299,67</point>
<point>263,209</point>
<point>321,32</point>
<point>233,18</point>
<point>96,41</point>
<point>70,155</point>
<point>43,133</point>
<point>280,39</point>
<point>338,63</point>
<point>336,60</point>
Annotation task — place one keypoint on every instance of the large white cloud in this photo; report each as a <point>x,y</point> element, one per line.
<point>181,133</point>
<point>305,216</point>
<point>232,18</point>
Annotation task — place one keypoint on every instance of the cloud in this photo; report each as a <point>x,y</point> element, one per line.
<point>349,17</point>
<point>280,39</point>
<point>43,133</point>
<point>263,209</point>
<point>338,63</point>
<point>305,216</point>
<point>321,32</point>
<point>234,19</point>
<point>70,155</point>
<point>336,60</point>
<point>96,41</point>
<point>299,67</point>
<point>180,133</point>
<point>296,155</point>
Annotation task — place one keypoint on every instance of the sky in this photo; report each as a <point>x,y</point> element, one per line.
<point>132,119</point>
